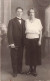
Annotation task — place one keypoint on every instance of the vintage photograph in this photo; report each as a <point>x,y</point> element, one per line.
<point>24,40</point>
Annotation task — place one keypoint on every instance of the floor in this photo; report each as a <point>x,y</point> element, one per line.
<point>43,71</point>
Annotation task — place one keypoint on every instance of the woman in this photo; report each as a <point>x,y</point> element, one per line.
<point>33,41</point>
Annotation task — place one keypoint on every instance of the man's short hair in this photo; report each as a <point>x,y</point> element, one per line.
<point>19,8</point>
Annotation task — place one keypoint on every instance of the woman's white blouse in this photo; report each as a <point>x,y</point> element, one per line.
<point>33,29</point>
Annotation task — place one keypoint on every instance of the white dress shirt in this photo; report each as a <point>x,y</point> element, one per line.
<point>19,19</point>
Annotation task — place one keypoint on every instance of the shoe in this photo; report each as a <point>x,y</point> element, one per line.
<point>14,75</point>
<point>34,73</point>
<point>21,72</point>
<point>29,72</point>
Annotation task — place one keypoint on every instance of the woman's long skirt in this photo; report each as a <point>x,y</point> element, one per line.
<point>33,52</point>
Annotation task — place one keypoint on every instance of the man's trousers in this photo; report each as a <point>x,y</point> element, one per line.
<point>17,58</point>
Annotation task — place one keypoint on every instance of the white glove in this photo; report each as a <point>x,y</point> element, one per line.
<point>12,45</point>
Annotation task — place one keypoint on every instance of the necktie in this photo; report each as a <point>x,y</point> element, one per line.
<point>19,21</point>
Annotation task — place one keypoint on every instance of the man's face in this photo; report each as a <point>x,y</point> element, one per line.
<point>19,13</point>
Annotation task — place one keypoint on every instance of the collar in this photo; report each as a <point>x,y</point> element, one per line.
<point>19,18</point>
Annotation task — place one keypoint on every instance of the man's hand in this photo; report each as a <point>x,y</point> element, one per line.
<point>12,45</point>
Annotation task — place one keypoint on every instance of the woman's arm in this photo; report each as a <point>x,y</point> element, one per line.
<point>40,34</point>
<point>40,38</point>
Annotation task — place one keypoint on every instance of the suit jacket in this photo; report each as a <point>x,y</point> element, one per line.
<point>16,32</point>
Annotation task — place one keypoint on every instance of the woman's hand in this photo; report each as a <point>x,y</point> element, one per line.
<point>39,42</point>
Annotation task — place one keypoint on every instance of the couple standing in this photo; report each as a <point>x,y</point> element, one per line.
<point>27,32</point>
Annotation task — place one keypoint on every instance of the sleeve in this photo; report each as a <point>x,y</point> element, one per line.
<point>9,33</point>
<point>25,26</point>
<point>41,27</point>
<point>24,35</point>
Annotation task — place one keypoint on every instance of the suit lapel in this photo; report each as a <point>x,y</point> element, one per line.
<point>18,24</point>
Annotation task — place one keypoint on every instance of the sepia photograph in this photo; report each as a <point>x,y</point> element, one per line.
<point>24,40</point>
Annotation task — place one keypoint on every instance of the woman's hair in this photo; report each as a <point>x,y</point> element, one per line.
<point>31,9</point>
<point>19,8</point>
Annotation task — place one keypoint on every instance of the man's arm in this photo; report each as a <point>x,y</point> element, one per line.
<point>10,35</point>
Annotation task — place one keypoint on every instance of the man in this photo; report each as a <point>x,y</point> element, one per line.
<point>15,33</point>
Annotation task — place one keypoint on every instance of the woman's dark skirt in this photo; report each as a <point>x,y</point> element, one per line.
<point>33,52</point>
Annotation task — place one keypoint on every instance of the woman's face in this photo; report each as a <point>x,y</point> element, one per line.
<point>32,13</point>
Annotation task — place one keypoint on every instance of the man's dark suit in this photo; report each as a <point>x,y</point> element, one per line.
<point>16,34</point>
